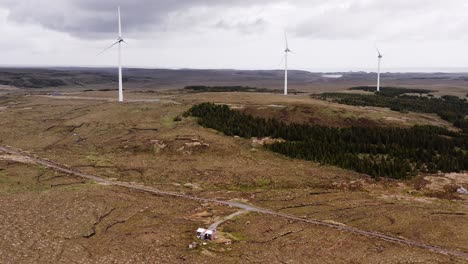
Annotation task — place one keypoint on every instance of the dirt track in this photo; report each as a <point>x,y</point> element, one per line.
<point>90,98</point>
<point>65,169</point>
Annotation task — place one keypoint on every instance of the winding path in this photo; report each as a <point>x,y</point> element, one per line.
<point>250,208</point>
<point>229,217</point>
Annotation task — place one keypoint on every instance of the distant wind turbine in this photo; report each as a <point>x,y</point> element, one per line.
<point>118,42</point>
<point>378,69</point>
<point>286,51</point>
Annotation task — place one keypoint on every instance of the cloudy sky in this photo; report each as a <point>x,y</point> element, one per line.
<point>242,34</point>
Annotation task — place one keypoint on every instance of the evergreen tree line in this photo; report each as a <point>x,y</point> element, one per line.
<point>225,89</point>
<point>449,108</point>
<point>379,152</point>
<point>391,91</point>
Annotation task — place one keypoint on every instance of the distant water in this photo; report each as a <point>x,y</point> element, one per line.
<point>332,76</point>
<point>395,70</point>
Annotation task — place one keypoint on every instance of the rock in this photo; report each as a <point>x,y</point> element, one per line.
<point>159,145</point>
<point>193,144</point>
<point>180,149</point>
<point>192,186</point>
<point>462,190</point>
<point>196,144</point>
<point>192,245</point>
<point>189,147</point>
<point>266,141</point>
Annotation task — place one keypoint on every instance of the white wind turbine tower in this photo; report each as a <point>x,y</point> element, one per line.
<point>286,51</point>
<point>119,42</point>
<point>378,69</point>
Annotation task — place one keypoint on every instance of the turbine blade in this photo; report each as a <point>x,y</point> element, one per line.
<point>378,51</point>
<point>124,41</point>
<point>106,49</point>
<point>286,39</point>
<point>282,60</point>
<point>120,23</point>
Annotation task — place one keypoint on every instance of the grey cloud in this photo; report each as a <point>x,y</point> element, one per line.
<point>315,19</point>
<point>245,27</point>
<point>91,18</point>
<point>385,19</point>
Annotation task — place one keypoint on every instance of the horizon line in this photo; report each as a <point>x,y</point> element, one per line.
<point>311,70</point>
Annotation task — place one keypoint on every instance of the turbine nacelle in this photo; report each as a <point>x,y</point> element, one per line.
<point>378,52</point>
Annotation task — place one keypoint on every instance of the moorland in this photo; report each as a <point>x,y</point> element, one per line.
<point>158,139</point>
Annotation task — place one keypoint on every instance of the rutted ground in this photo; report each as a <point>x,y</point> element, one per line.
<point>52,217</point>
<point>90,223</point>
<point>125,142</point>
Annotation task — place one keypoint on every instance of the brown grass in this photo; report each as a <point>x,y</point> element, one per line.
<point>102,224</point>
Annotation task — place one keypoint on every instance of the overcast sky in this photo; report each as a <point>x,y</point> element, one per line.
<point>237,34</point>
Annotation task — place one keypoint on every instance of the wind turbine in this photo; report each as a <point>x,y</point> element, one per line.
<point>286,51</point>
<point>118,42</point>
<point>378,69</point>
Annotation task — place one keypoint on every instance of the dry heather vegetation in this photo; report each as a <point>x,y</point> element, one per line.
<point>52,217</point>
